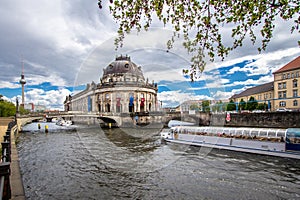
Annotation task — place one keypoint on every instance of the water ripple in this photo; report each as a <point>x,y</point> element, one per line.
<point>91,163</point>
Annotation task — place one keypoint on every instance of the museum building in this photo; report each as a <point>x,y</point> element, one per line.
<point>122,89</point>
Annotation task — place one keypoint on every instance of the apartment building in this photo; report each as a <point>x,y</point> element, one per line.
<point>287,86</point>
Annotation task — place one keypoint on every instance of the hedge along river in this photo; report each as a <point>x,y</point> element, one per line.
<point>87,162</point>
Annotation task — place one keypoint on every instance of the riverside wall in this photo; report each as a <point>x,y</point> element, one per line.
<point>263,120</point>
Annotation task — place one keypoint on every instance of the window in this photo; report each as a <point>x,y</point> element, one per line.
<point>292,75</point>
<point>270,95</point>
<point>284,94</point>
<point>297,74</point>
<point>288,75</point>
<point>265,96</point>
<point>284,85</point>
<point>295,83</point>
<point>295,93</point>
<point>282,103</point>
<point>295,103</point>
<point>283,76</point>
<point>279,86</point>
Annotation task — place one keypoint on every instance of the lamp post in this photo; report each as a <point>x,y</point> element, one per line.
<point>160,104</point>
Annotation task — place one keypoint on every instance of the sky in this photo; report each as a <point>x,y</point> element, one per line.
<point>63,45</point>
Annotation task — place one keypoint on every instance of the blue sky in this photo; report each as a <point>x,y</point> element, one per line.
<point>66,44</point>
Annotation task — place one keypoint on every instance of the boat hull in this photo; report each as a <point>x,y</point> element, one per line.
<point>234,144</point>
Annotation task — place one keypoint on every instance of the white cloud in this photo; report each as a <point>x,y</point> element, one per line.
<point>177,97</point>
<point>222,95</point>
<point>52,99</point>
<point>6,84</point>
<point>261,80</point>
<point>264,63</point>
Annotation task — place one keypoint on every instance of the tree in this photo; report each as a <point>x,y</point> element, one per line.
<point>7,109</point>
<point>194,107</point>
<point>231,106</point>
<point>262,106</point>
<point>251,104</point>
<point>201,23</point>
<point>205,106</point>
<point>242,105</point>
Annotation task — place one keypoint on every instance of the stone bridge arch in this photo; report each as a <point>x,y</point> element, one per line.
<point>113,120</point>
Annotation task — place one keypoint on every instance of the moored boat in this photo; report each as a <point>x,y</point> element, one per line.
<point>274,142</point>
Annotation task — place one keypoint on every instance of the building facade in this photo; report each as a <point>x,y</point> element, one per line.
<point>283,92</point>
<point>262,94</point>
<point>287,86</point>
<point>122,89</point>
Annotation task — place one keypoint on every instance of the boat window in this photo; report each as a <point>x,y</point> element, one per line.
<point>255,132</point>
<point>280,133</point>
<point>232,131</point>
<point>264,133</point>
<point>226,131</point>
<point>272,133</point>
<point>246,132</point>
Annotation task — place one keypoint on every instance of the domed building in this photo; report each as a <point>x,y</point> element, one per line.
<point>122,89</point>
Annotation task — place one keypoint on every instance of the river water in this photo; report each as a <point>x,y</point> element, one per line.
<point>86,162</point>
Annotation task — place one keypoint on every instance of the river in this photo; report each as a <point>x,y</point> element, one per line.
<point>87,162</point>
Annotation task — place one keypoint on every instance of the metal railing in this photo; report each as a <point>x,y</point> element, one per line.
<point>5,189</point>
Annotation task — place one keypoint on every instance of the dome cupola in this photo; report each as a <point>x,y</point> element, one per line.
<point>123,67</point>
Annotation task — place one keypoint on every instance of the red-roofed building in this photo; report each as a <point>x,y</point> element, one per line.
<point>283,92</point>
<point>287,86</point>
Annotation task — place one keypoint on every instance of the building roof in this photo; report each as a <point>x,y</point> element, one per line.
<point>255,90</point>
<point>294,64</point>
<point>123,65</point>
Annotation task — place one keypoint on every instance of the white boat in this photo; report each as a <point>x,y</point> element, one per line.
<point>173,123</point>
<point>274,142</point>
<point>62,122</point>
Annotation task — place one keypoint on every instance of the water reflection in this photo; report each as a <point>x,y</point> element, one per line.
<point>133,139</point>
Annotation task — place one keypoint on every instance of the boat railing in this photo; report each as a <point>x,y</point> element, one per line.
<point>236,132</point>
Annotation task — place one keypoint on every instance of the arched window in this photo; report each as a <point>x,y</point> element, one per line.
<point>295,83</point>
<point>295,103</point>
<point>282,103</point>
<point>107,107</point>
<point>118,105</point>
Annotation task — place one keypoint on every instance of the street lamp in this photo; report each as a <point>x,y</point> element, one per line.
<point>160,104</point>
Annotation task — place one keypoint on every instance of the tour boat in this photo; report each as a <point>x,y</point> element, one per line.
<point>273,142</point>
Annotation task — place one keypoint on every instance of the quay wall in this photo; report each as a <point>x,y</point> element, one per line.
<point>265,120</point>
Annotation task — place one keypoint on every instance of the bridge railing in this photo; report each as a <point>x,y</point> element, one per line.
<point>5,189</point>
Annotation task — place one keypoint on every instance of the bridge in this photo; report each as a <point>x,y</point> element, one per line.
<point>267,119</point>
